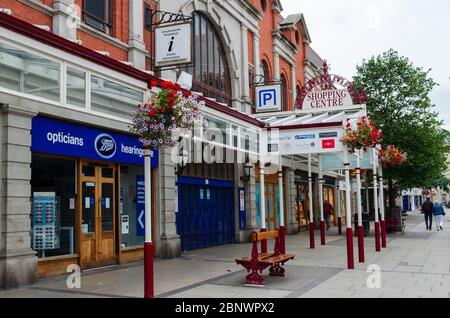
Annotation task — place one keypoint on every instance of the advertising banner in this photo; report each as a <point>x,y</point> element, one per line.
<point>306,141</point>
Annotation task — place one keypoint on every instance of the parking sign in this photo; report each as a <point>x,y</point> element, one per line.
<point>268,98</point>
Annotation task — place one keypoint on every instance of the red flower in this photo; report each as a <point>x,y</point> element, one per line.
<point>166,85</point>
<point>153,84</point>
<point>363,118</point>
<point>170,101</point>
<point>163,109</point>
<point>186,93</point>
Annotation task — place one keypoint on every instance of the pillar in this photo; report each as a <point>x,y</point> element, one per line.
<point>310,201</point>
<point>66,19</point>
<point>18,262</point>
<point>375,206</point>
<point>262,206</point>
<point>348,214</point>
<point>359,207</point>
<point>276,66</point>
<point>137,51</point>
<point>282,221</point>
<point>322,219</point>
<point>169,243</point>
<point>383,221</point>
<point>293,85</point>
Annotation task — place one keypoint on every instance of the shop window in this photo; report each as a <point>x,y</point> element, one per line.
<point>76,87</point>
<point>29,73</point>
<point>112,98</point>
<point>53,185</point>
<point>210,73</point>
<point>98,14</point>
<point>131,205</point>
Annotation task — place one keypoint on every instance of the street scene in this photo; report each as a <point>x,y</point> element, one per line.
<point>247,149</point>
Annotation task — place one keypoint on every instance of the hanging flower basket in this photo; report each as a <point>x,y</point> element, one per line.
<point>392,156</point>
<point>363,136</point>
<point>167,116</point>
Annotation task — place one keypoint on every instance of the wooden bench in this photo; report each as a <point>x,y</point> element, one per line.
<point>258,262</point>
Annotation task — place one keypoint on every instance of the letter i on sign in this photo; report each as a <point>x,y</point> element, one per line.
<point>171,44</point>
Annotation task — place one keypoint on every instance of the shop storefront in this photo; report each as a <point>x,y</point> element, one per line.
<point>272,198</point>
<point>301,200</point>
<point>87,189</point>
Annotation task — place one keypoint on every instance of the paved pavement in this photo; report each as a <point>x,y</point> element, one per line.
<point>416,264</point>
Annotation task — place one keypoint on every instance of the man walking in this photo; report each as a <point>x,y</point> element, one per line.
<point>328,211</point>
<point>427,209</point>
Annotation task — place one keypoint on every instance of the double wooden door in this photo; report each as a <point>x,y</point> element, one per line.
<point>97,215</point>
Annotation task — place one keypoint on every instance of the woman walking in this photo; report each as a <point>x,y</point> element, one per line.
<point>438,212</point>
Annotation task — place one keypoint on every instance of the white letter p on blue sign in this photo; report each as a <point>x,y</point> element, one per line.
<point>268,98</point>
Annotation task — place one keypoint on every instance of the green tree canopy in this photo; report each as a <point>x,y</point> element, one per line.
<point>399,103</point>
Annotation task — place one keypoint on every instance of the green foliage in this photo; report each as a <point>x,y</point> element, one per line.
<point>399,103</point>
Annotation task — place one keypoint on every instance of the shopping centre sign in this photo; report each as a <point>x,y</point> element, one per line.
<point>328,92</point>
<point>173,44</point>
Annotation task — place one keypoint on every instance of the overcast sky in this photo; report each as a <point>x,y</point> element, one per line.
<point>345,32</point>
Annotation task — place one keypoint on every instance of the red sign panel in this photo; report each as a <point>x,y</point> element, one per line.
<point>328,144</point>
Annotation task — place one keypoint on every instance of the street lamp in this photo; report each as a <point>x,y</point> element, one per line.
<point>247,172</point>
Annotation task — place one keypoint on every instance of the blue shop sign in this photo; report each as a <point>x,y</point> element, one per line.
<point>67,139</point>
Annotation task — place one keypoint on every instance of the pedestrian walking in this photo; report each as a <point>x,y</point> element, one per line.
<point>328,211</point>
<point>438,212</point>
<point>427,209</point>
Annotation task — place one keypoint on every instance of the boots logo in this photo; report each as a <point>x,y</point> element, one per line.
<point>105,145</point>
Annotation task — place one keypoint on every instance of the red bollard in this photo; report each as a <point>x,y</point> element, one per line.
<point>322,233</point>
<point>361,244</point>
<point>311,235</point>
<point>350,255</point>
<point>340,225</point>
<point>148,270</point>
<point>263,243</point>
<point>383,234</point>
<point>377,237</point>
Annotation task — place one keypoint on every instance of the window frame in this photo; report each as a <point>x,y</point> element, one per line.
<point>211,85</point>
<point>107,26</point>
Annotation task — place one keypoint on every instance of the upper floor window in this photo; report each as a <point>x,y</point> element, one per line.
<point>98,14</point>
<point>210,73</point>
<point>265,70</point>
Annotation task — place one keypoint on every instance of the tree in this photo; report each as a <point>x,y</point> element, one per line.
<point>399,103</point>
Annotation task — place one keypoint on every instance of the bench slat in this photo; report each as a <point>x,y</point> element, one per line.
<point>258,236</point>
<point>278,259</point>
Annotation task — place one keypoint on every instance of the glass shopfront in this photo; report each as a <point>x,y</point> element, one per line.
<point>88,200</point>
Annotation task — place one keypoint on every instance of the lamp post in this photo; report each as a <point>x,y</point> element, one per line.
<point>247,171</point>
<point>148,245</point>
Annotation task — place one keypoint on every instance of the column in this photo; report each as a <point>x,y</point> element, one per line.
<point>18,262</point>
<point>322,219</point>
<point>169,243</point>
<point>256,57</point>
<point>250,204</point>
<point>359,207</point>
<point>339,207</point>
<point>310,201</point>
<point>262,206</point>
<point>292,226</point>
<point>136,53</point>
<point>282,224</point>
<point>276,65</point>
<point>413,203</point>
<point>383,221</point>
<point>348,214</point>
<point>293,85</point>
<point>375,205</point>
<point>66,19</point>
<point>245,84</point>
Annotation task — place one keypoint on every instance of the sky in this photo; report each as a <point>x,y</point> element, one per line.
<point>346,32</point>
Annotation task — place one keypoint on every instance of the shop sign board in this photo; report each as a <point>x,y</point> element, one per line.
<point>173,44</point>
<point>268,98</point>
<point>68,139</point>
<point>327,100</point>
<point>306,141</point>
